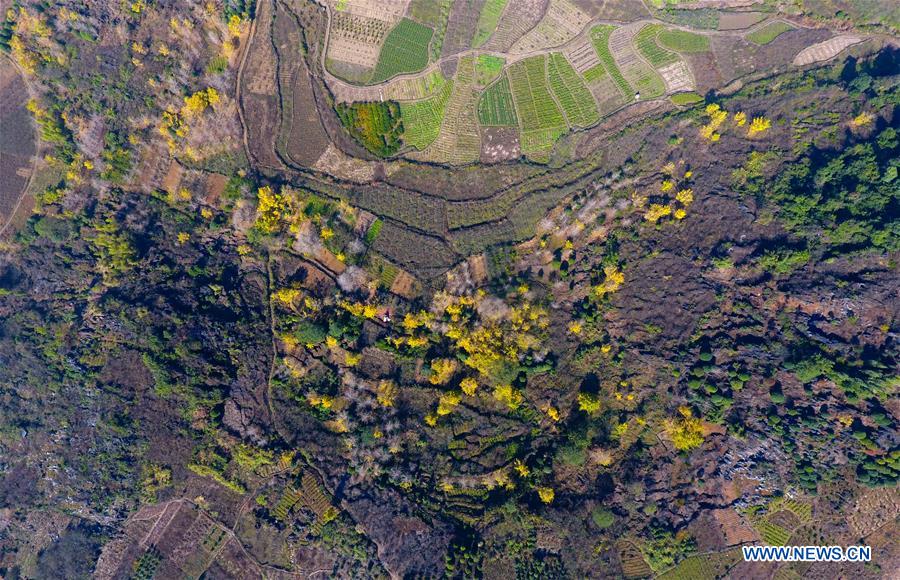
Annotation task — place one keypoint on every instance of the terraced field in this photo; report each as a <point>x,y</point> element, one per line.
<point>411,89</point>
<point>459,140</point>
<point>769,32</point>
<point>488,20</point>
<point>647,43</point>
<point>405,50</point>
<point>703,567</point>
<point>772,534</point>
<point>540,119</point>
<point>640,76</point>
<point>683,41</point>
<point>537,69</point>
<point>515,23</point>
<point>495,108</point>
<point>561,23</point>
<point>571,93</point>
<point>422,119</point>
<point>600,38</point>
<point>433,14</point>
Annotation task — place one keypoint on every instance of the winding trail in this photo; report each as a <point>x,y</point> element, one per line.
<point>32,93</point>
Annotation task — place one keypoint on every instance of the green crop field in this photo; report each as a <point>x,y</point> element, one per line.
<point>769,32</point>
<point>683,41</point>
<point>595,73</point>
<point>433,14</point>
<point>772,534</point>
<point>540,119</point>
<point>646,42</point>
<point>684,99</point>
<point>495,108</point>
<point>703,567</point>
<point>405,50</point>
<point>571,93</point>
<point>422,119</point>
<point>600,39</point>
<point>487,21</point>
<point>487,68</point>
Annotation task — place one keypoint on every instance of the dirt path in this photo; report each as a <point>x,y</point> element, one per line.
<point>245,51</point>
<point>32,93</point>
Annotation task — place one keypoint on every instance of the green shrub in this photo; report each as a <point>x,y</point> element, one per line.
<point>603,518</point>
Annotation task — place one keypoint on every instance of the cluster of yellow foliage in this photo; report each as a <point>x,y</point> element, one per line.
<point>546,494</point>
<point>200,101</point>
<point>441,371</point>
<point>551,412</point>
<point>153,479</point>
<point>521,468</point>
<point>862,120</point>
<point>758,126</point>
<point>387,393</point>
<point>589,403</point>
<point>499,478</point>
<point>359,309</point>
<point>613,278</point>
<point>717,117</point>
<point>469,386</point>
<point>236,25</point>
<point>272,208</point>
<point>458,306</point>
<point>172,127</point>
<point>575,327</point>
<point>413,322</point>
<point>686,432</point>
<point>491,344</point>
<point>338,425</point>
<point>685,197</point>
<point>286,296</point>
<point>447,402</point>
<point>25,26</point>
<point>509,396</point>
<point>174,124</point>
<point>323,402</point>
<point>657,211</point>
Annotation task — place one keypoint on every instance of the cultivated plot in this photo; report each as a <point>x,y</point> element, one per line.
<point>829,49</point>
<point>563,22</point>
<point>540,118</point>
<point>640,76</point>
<point>422,119</point>
<point>515,23</point>
<point>405,50</point>
<point>600,38</point>
<point>769,32</point>
<point>495,107</point>
<point>488,20</point>
<point>571,93</point>
<point>459,140</point>
<point>582,55</point>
